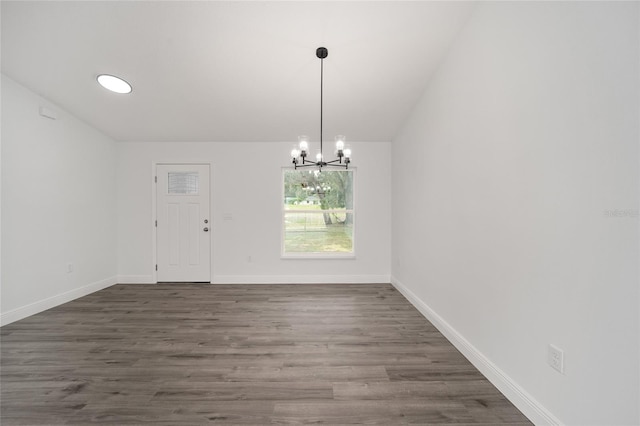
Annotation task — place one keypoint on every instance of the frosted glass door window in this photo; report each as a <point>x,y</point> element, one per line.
<point>181,183</point>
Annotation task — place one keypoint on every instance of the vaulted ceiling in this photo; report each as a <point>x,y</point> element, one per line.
<point>231,70</point>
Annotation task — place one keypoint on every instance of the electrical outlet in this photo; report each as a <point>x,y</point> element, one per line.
<point>555,358</point>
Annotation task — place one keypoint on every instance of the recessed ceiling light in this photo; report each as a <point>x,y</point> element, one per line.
<point>113,83</point>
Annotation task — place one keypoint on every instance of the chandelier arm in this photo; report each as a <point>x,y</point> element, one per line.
<point>307,164</point>
<point>330,164</point>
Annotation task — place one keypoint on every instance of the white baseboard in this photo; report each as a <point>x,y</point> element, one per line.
<point>135,279</point>
<point>273,279</point>
<point>301,279</point>
<point>53,301</point>
<point>528,405</point>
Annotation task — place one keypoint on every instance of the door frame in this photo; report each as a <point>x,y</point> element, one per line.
<point>154,213</point>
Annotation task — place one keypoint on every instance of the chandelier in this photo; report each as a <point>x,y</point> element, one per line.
<point>299,154</point>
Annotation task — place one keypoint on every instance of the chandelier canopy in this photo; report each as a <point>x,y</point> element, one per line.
<point>300,153</point>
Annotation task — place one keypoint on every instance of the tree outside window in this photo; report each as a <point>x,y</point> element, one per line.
<point>318,212</point>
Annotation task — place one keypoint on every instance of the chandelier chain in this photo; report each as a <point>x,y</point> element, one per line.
<point>321,102</point>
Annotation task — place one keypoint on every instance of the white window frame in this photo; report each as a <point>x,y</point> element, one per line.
<point>317,255</point>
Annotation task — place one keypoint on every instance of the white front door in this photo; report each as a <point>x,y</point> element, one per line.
<point>183,230</point>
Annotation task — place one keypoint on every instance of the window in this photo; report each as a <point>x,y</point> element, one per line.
<point>183,183</point>
<point>318,213</point>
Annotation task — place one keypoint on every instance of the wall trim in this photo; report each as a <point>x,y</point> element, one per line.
<point>301,279</point>
<point>529,406</point>
<point>136,279</point>
<point>53,301</point>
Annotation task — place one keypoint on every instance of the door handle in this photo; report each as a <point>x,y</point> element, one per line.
<point>206,229</point>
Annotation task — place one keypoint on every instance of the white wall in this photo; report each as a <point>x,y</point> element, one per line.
<point>527,137</point>
<point>247,185</point>
<point>58,206</point>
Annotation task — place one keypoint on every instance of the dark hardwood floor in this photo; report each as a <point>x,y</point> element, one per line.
<point>240,354</point>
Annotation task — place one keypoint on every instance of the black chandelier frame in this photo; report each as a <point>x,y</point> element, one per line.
<point>299,158</point>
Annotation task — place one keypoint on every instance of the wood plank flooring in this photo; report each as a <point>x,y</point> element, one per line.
<point>196,354</point>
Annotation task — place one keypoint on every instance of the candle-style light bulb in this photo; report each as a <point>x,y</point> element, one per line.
<point>304,143</point>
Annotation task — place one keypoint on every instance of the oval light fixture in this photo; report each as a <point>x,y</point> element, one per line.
<point>113,83</point>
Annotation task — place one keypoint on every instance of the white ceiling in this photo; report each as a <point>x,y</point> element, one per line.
<point>231,71</point>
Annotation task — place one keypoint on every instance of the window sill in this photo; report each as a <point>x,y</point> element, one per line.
<point>307,256</point>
